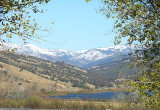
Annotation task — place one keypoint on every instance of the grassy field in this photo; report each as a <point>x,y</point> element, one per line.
<point>30,79</point>
<point>39,103</point>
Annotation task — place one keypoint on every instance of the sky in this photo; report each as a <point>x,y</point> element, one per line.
<point>76,26</point>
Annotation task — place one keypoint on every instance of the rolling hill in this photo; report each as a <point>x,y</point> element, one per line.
<point>62,76</point>
<point>100,68</point>
<point>29,80</point>
<point>44,73</point>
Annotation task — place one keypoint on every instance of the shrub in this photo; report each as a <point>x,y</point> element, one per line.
<point>33,102</point>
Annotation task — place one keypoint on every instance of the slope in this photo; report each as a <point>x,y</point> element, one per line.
<point>41,71</point>
<point>30,80</point>
<point>109,74</point>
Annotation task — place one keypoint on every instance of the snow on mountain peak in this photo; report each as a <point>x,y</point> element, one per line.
<point>77,58</point>
<point>82,51</point>
<point>114,47</point>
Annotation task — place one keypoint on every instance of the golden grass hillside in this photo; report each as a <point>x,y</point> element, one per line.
<point>62,75</point>
<point>30,80</point>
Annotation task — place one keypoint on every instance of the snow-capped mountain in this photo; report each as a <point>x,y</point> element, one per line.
<point>83,59</point>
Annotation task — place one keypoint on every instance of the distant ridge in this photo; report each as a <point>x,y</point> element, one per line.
<point>82,59</point>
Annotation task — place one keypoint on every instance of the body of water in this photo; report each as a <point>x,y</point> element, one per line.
<point>99,95</point>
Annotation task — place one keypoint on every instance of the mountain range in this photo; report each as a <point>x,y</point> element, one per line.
<point>99,67</point>
<point>82,59</point>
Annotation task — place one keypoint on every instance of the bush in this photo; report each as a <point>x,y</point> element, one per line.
<point>33,102</point>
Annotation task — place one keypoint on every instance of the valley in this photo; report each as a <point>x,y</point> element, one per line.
<point>61,76</point>
<point>37,82</point>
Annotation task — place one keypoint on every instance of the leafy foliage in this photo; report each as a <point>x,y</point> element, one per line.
<point>16,20</point>
<point>139,22</point>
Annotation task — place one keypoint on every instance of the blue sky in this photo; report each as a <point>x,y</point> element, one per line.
<point>76,26</point>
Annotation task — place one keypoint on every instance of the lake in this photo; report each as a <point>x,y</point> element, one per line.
<point>99,95</point>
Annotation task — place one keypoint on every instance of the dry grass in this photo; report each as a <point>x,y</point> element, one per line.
<point>35,79</point>
<point>36,102</point>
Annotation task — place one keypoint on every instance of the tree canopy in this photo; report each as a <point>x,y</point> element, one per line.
<point>16,20</point>
<point>139,22</point>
